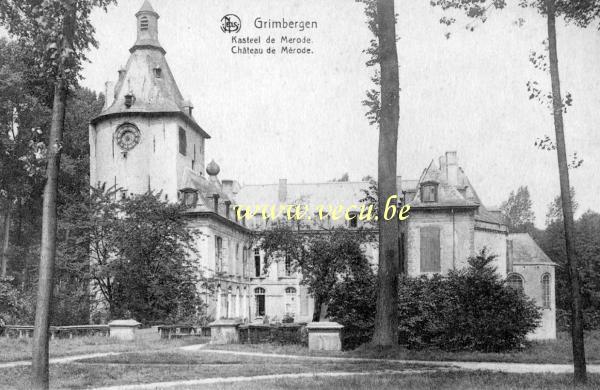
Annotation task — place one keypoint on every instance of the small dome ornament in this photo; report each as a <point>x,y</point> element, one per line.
<point>213,168</point>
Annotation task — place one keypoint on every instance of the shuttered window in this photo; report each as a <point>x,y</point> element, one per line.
<point>430,249</point>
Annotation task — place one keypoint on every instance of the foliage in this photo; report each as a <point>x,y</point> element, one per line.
<point>588,252</point>
<point>352,304</point>
<point>323,259</point>
<point>555,211</point>
<point>472,309</point>
<point>517,211</point>
<point>15,308</point>
<point>142,255</point>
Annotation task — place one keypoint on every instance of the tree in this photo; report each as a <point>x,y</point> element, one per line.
<point>142,255</point>
<point>324,259</point>
<point>581,13</point>
<point>59,32</point>
<point>384,110</point>
<point>517,211</point>
<point>555,212</point>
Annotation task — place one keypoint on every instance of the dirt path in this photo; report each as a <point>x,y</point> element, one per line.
<point>515,368</point>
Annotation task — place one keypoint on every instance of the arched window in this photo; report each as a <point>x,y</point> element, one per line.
<point>546,291</point>
<point>290,301</point>
<point>515,281</point>
<point>144,23</point>
<point>259,295</point>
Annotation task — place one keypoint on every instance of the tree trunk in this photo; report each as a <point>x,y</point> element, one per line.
<point>317,309</point>
<point>39,368</point>
<point>5,240</point>
<point>386,318</point>
<point>565,193</point>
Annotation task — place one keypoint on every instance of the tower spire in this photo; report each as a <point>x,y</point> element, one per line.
<point>147,29</point>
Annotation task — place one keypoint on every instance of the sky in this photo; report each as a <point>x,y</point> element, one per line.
<point>300,117</point>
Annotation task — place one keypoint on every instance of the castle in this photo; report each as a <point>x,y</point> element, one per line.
<point>146,137</point>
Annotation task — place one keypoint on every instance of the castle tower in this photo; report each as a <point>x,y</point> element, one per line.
<point>146,136</point>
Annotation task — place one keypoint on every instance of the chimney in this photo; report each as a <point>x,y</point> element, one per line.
<point>509,256</point>
<point>109,94</point>
<point>451,168</point>
<point>227,206</point>
<point>188,107</point>
<point>216,202</point>
<point>443,164</point>
<point>282,190</point>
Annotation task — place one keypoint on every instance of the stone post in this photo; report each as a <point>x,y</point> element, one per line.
<point>224,331</point>
<point>324,336</point>
<point>123,329</point>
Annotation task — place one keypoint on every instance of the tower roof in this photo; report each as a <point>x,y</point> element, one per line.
<point>146,86</point>
<point>147,7</point>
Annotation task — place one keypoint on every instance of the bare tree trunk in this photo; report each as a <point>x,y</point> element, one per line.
<point>565,193</point>
<point>5,240</point>
<point>386,318</point>
<point>39,368</point>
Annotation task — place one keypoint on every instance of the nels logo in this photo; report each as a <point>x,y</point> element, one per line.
<point>230,23</point>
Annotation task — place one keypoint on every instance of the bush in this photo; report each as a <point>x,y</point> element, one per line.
<point>591,319</point>
<point>352,304</point>
<point>16,306</point>
<point>471,309</point>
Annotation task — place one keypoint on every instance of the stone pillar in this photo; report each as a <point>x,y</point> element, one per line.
<point>123,329</point>
<point>218,312</point>
<point>237,303</point>
<point>324,336</point>
<point>245,305</point>
<point>224,331</point>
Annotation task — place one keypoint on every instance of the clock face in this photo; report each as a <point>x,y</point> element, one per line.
<point>128,136</point>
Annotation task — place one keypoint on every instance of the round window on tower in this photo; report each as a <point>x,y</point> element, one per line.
<point>128,136</point>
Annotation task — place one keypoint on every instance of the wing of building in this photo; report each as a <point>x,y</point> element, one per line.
<point>147,138</point>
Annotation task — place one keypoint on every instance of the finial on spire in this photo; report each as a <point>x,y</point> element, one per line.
<point>147,28</point>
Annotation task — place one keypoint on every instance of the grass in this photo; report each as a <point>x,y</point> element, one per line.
<point>171,366</point>
<point>556,351</point>
<point>20,349</point>
<point>478,380</point>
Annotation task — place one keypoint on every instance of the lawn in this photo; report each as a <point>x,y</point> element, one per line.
<point>20,349</point>
<point>177,365</point>
<point>558,351</point>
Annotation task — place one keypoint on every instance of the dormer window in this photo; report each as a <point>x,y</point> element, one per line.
<point>429,192</point>
<point>189,197</point>
<point>157,72</point>
<point>144,23</point>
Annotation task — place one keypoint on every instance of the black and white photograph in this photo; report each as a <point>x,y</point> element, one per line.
<point>299,194</point>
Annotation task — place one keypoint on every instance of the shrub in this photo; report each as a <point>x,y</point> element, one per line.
<point>352,304</point>
<point>591,319</point>
<point>471,309</point>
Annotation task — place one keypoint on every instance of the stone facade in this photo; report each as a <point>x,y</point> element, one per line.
<point>147,138</point>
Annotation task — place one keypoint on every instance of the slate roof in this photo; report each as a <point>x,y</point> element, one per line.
<point>153,95</point>
<point>526,251</point>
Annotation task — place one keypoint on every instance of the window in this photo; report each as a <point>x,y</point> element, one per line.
<point>288,266</point>
<point>144,23</point>
<point>189,198</point>
<point>353,221</point>
<point>244,262</point>
<point>429,193</point>
<point>257,270</point>
<point>259,296</point>
<point>157,72</point>
<point>515,281</point>
<point>182,142</point>
<point>430,249</point>
<point>218,254</point>
<point>290,301</point>
<point>546,291</point>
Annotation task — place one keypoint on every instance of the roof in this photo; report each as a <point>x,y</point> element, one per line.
<point>152,95</point>
<point>526,251</point>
